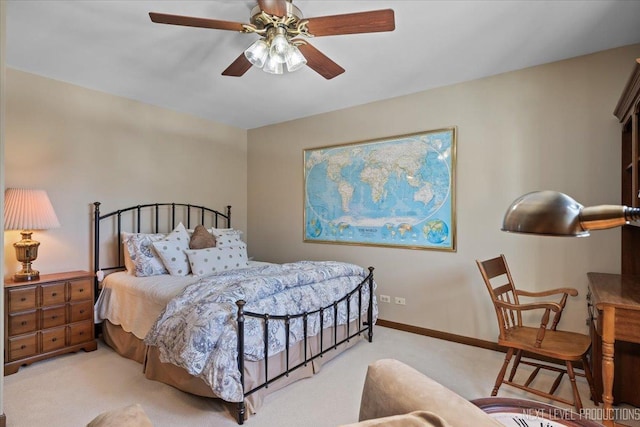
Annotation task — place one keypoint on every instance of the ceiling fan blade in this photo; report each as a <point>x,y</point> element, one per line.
<point>352,23</point>
<point>189,21</point>
<point>238,67</point>
<point>319,62</point>
<point>273,7</point>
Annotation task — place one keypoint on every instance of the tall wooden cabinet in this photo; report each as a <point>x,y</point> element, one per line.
<point>626,380</point>
<point>627,112</point>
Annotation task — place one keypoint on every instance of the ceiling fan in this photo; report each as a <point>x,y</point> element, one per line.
<point>283,32</point>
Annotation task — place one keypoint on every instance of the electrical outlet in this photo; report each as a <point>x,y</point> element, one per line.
<point>385,298</point>
<point>400,300</point>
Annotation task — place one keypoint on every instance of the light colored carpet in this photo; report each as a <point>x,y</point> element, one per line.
<point>70,390</point>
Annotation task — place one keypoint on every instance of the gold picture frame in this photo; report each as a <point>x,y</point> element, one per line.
<point>396,191</point>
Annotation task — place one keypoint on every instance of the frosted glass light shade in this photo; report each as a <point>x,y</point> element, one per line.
<point>295,59</point>
<point>279,48</point>
<point>28,209</point>
<point>257,53</point>
<point>273,66</point>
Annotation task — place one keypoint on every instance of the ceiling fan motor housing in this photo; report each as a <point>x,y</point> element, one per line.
<point>262,22</point>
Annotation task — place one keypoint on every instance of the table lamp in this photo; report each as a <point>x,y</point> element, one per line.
<point>27,210</point>
<point>551,213</point>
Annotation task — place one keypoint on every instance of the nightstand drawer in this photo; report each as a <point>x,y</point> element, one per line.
<point>81,332</point>
<point>53,294</point>
<point>81,311</point>
<point>22,323</point>
<point>53,339</point>
<point>21,299</point>
<point>53,316</point>
<point>23,346</point>
<point>81,290</point>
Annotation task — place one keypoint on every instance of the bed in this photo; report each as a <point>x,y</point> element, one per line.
<point>221,325</point>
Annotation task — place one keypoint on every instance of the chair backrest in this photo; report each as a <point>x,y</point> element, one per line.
<point>497,277</point>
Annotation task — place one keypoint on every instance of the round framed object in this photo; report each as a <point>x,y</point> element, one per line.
<point>527,413</point>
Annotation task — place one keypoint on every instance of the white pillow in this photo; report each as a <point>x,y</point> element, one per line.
<point>144,258</point>
<point>128,263</point>
<point>227,237</point>
<point>171,251</point>
<point>214,230</point>
<point>217,259</point>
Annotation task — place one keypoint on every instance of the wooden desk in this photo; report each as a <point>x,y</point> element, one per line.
<point>617,297</point>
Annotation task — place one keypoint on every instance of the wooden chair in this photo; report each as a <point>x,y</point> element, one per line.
<point>541,342</point>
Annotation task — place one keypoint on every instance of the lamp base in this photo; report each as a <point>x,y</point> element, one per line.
<point>26,276</point>
<point>26,252</point>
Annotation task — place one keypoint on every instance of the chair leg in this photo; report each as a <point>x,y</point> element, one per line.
<point>587,373</point>
<point>516,362</point>
<point>503,370</point>
<point>576,396</point>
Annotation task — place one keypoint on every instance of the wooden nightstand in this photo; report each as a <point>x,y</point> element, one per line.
<point>47,317</point>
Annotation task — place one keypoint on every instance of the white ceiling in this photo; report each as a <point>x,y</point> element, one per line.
<point>112,46</point>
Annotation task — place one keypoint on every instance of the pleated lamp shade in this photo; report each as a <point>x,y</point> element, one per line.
<point>28,209</point>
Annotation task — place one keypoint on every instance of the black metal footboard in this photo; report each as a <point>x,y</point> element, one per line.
<point>362,327</point>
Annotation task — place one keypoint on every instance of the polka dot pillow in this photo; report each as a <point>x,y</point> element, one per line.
<point>217,259</point>
<point>171,251</point>
<point>227,237</point>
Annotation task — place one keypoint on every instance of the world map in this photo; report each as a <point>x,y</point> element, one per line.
<point>392,192</point>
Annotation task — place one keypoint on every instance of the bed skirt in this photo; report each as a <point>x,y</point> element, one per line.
<point>128,345</point>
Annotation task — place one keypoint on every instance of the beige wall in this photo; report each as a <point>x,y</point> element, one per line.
<point>3,44</point>
<point>84,146</point>
<point>547,127</point>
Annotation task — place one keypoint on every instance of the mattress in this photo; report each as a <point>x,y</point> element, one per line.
<point>134,303</point>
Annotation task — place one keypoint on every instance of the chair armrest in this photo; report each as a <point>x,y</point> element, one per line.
<point>562,291</point>
<point>544,321</point>
<point>553,306</point>
<point>569,291</point>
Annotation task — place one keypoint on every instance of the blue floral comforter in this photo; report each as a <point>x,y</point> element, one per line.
<point>198,332</point>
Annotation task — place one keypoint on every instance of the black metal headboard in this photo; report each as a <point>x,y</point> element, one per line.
<point>149,218</point>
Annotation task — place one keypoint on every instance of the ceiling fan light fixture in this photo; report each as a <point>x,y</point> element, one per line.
<point>295,59</point>
<point>257,53</point>
<point>279,46</point>
<point>279,23</point>
<point>273,66</point>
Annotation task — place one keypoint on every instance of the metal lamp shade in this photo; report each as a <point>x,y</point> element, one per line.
<point>551,213</point>
<point>547,213</point>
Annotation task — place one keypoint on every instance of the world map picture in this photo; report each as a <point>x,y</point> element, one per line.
<point>396,191</point>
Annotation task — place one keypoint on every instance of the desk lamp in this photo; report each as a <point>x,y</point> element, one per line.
<point>27,210</point>
<point>551,213</point>
<point>555,214</point>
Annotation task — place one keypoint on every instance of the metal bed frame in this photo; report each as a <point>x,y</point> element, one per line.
<point>206,216</point>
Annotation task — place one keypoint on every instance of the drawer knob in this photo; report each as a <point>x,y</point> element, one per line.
<point>81,290</point>
<point>81,311</point>
<point>23,299</point>
<point>81,333</point>
<point>54,294</point>
<point>54,317</point>
<point>23,323</point>
<point>54,339</point>
<point>22,347</point>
